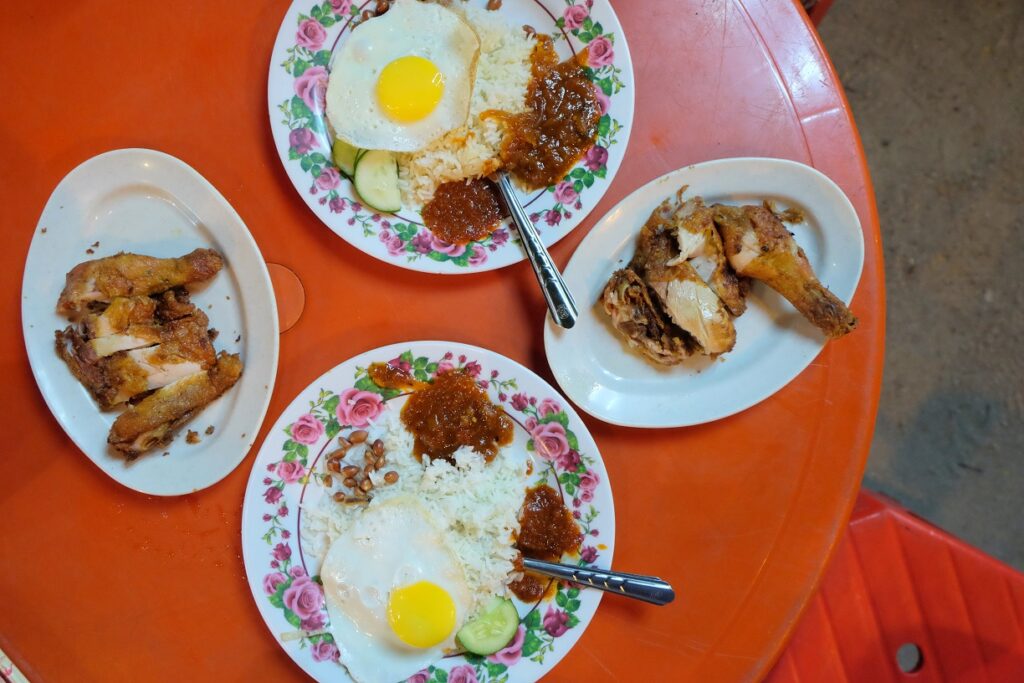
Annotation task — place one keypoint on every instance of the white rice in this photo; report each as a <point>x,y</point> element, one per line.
<point>471,151</point>
<point>476,504</point>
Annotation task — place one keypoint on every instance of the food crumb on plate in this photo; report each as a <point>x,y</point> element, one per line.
<point>192,437</point>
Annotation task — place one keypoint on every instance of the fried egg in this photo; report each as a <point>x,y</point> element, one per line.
<point>403,79</point>
<point>396,592</point>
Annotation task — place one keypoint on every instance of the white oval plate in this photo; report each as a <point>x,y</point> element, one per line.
<point>774,343</point>
<point>310,33</point>
<point>147,202</point>
<point>276,565</point>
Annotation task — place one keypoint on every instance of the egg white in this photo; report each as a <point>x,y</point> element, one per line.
<point>392,544</point>
<point>408,28</point>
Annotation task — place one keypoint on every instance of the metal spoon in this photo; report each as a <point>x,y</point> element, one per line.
<point>560,302</point>
<point>647,588</point>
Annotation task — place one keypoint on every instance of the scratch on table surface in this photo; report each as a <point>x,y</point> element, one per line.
<point>733,655</point>
<point>767,113</point>
<point>743,534</point>
<point>785,86</point>
<point>655,151</point>
<point>665,634</point>
<point>809,118</point>
<point>692,644</point>
<point>696,646</point>
<point>662,646</point>
<point>601,664</point>
<point>742,658</point>
<point>721,53</point>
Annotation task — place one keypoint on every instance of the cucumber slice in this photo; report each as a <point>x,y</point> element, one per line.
<point>345,156</point>
<point>492,629</point>
<point>376,180</point>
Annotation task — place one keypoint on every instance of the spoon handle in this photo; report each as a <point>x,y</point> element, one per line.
<point>647,588</point>
<point>560,302</point>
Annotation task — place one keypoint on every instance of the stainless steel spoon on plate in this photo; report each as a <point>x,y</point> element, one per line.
<point>647,588</point>
<point>560,302</point>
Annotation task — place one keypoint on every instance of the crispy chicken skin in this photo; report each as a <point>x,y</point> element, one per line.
<point>758,245</point>
<point>136,340</point>
<point>152,421</point>
<point>184,348</point>
<point>684,295</point>
<point>173,304</point>
<point>126,275</point>
<point>135,322</point>
<point>627,301</point>
<point>127,323</point>
<point>120,315</point>
<point>82,361</point>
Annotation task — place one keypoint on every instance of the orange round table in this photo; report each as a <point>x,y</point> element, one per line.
<point>100,583</point>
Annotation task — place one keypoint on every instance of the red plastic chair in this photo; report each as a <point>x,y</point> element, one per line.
<point>904,601</point>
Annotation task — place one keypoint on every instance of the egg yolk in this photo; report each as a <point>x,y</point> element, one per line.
<point>409,88</point>
<point>421,614</point>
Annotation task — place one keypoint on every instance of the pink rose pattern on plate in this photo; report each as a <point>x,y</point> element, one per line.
<point>403,239</point>
<point>358,408</point>
<point>300,597</point>
<point>307,429</point>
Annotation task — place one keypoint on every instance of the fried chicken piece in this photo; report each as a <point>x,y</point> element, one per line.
<point>83,362</point>
<point>135,337</point>
<point>687,298</point>
<point>133,322</point>
<point>627,301</point>
<point>692,306</point>
<point>758,245</point>
<point>152,421</point>
<point>121,314</point>
<point>184,349</point>
<point>127,323</point>
<point>701,245</point>
<point>174,304</point>
<point>124,275</point>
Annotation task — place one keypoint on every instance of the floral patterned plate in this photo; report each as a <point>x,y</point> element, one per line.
<point>310,33</point>
<point>284,580</point>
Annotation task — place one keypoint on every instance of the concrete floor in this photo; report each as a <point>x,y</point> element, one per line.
<point>937,89</point>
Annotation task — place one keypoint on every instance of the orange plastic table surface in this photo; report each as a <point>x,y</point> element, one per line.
<point>100,583</point>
